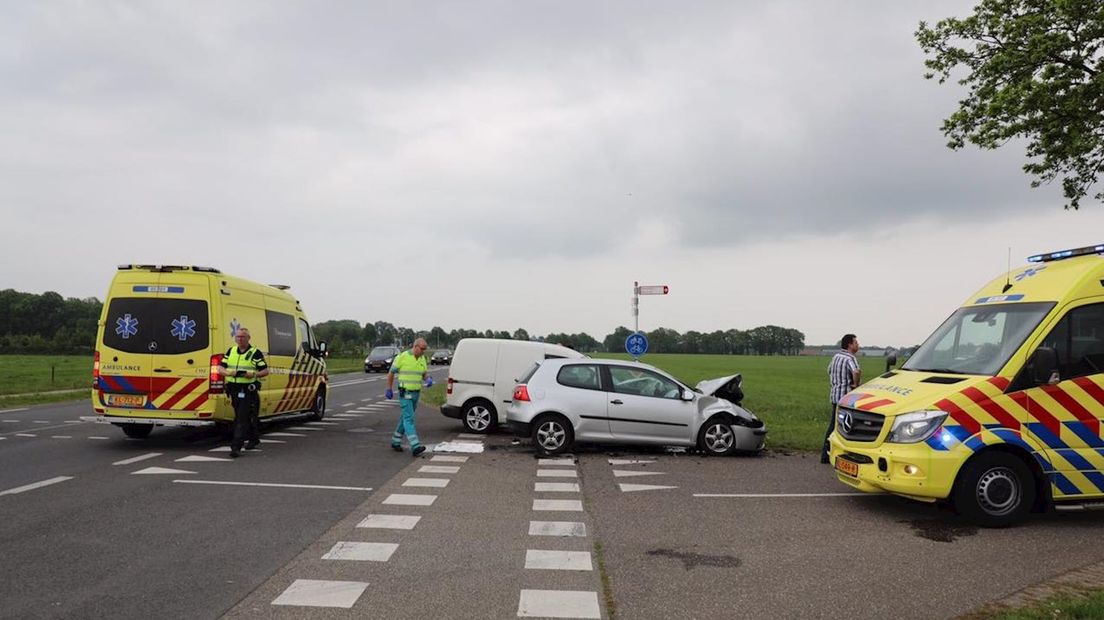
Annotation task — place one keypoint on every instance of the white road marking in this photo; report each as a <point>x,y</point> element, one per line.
<point>557,473</point>
<point>273,485</point>
<point>349,405</point>
<point>12,410</point>
<point>390,522</point>
<point>317,423</point>
<point>36,485</point>
<point>12,421</point>
<point>458,446</point>
<point>361,551</point>
<point>98,437</point>
<point>304,428</point>
<point>570,462</point>
<point>628,462</point>
<point>558,604</point>
<point>629,488</point>
<point>61,436</point>
<point>438,469</point>
<point>617,473</point>
<point>74,421</point>
<point>449,459</point>
<point>556,487</point>
<point>758,495</point>
<point>159,471</point>
<point>201,459</point>
<point>284,435</point>
<point>41,421</point>
<point>342,416</point>
<point>557,560</point>
<point>25,435</point>
<point>137,458</point>
<point>436,483</point>
<point>557,528</point>
<point>399,499</point>
<point>317,593</point>
<point>364,400</point>
<point>567,505</point>
<point>272,441</point>
<point>470,436</point>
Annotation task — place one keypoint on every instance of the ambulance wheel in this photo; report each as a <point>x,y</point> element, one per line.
<point>479,416</point>
<point>716,437</point>
<point>995,489</point>
<point>318,409</point>
<point>137,431</point>
<point>552,434</point>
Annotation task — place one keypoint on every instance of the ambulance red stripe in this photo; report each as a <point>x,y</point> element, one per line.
<point>958,415</point>
<point>1073,407</point>
<point>187,390</point>
<point>1003,417</point>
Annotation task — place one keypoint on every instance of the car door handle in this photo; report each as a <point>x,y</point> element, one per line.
<point>616,402</point>
<point>162,370</point>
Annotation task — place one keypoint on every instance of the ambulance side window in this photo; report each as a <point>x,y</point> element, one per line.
<point>1078,339</point>
<point>281,333</point>
<point>305,336</point>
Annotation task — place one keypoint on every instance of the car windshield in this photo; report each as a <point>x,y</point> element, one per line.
<point>978,340</point>
<point>440,353</point>
<point>382,351</point>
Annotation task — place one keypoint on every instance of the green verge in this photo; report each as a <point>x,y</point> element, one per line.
<point>1073,605</point>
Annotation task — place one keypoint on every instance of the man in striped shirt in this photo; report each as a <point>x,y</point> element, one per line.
<point>843,375</point>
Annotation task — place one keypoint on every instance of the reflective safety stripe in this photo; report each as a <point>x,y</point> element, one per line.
<point>236,361</point>
<point>409,370</point>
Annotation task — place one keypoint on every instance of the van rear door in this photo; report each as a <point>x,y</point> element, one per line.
<point>125,359</point>
<point>181,346</point>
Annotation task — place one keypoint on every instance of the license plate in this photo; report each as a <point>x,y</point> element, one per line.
<point>847,467</point>
<point>126,400</point>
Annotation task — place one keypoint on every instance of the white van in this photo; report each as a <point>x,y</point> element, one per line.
<point>483,374</point>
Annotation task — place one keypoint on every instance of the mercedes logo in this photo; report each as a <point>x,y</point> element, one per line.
<point>153,345</point>
<point>845,421</point>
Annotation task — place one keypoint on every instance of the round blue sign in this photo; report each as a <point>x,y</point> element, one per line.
<point>636,344</point>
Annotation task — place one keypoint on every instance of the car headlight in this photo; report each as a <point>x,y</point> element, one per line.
<point>916,426</point>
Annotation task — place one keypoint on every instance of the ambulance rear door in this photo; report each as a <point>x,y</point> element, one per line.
<point>180,347</point>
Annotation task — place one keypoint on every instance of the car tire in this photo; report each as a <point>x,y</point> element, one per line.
<point>137,431</point>
<point>318,408</point>
<point>716,437</point>
<point>552,434</point>
<point>995,489</point>
<point>479,416</point>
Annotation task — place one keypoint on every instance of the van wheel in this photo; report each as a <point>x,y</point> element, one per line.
<point>995,489</point>
<point>552,434</point>
<point>318,409</point>
<point>137,431</point>
<point>479,416</point>
<point>716,437</point>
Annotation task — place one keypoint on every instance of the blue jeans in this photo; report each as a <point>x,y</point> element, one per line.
<point>408,402</point>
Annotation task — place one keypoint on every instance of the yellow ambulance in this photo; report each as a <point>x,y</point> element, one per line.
<point>165,328</point>
<point>1000,410</point>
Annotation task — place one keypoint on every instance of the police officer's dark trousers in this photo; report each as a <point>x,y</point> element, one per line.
<point>246,408</point>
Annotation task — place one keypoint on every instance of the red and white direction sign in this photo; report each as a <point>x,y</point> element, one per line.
<point>660,289</point>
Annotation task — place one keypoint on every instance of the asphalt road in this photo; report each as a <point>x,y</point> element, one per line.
<point>608,532</point>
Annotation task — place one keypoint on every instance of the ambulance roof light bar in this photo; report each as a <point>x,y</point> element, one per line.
<point>1051,256</point>
<point>168,268</point>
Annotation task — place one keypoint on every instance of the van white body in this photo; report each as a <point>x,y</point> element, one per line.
<point>483,374</point>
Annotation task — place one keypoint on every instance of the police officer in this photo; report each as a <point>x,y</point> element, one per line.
<point>243,366</point>
<point>410,368</point>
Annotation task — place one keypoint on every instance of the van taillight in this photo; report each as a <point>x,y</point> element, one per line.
<point>521,392</point>
<point>216,383</point>
<point>448,389</point>
<point>96,371</point>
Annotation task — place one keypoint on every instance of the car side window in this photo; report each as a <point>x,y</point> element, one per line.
<point>640,382</point>
<point>580,376</point>
<point>1078,339</point>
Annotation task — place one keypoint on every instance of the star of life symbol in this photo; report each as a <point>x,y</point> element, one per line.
<point>1030,271</point>
<point>234,326</point>
<point>126,326</point>
<point>183,328</point>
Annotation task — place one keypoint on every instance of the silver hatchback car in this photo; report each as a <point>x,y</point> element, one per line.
<point>561,401</point>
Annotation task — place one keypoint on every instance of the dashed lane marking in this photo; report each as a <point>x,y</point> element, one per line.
<point>766,495</point>
<point>317,593</point>
<point>400,499</point>
<point>12,410</point>
<point>617,473</point>
<point>317,423</point>
<point>201,459</point>
<point>628,462</point>
<point>441,458</point>
<point>284,435</point>
<point>273,485</point>
<point>565,461</point>
<point>98,437</point>
<point>361,551</point>
<point>557,473</point>
<point>438,469</point>
<point>557,528</point>
<point>304,428</point>
<point>349,405</point>
<point>558,604</point>
<point>539,559</point>
<point>136,459</point>
<point>25,435</point>
<point>157,471</point>
<point>629,488</point>
<point>390,522</point>
<point>436,483</point>
<point>36,485</point>
<point>61,436</point>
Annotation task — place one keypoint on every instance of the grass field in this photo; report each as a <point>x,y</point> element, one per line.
<point>1074,605</point>
<point>789,393</point>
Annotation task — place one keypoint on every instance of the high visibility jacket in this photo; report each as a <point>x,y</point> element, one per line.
<point>250,359</point>
<point>409,370</point>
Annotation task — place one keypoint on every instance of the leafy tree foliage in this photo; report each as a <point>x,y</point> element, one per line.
<point>1035,70</point>
<point>47,323</point>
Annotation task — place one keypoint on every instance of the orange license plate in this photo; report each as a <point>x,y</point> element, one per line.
<point>126,400</point>
<point>847,467</point>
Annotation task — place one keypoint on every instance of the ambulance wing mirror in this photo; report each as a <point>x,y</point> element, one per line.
<point>1045,362</point>
<point>891,361</point>
<point>322,349</point>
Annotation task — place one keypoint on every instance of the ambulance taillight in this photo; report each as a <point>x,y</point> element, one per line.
<point>96,371</point>
<point>216,383</point>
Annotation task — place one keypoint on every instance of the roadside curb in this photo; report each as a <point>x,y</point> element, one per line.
<point>1075,582</point>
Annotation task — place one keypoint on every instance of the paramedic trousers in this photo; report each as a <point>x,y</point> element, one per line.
<point>246,409</point>
<point>408,401</point>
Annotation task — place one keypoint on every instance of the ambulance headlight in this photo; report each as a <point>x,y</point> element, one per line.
<point>916,426</point>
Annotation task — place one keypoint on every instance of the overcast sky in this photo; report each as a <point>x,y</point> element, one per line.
<point>496,165</point>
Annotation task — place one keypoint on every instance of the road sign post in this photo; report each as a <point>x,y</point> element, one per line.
<point>641,344</point>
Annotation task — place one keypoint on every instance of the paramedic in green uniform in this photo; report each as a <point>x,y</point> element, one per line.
<point>410,368</point>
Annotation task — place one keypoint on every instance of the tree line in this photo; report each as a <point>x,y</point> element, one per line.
<point>48,323</point>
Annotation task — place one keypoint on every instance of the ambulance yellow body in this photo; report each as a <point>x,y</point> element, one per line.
<point>163,332</point>
<point>1000,410</point>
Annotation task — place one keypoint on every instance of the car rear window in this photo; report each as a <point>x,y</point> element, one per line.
<point>157,326</point>
<point>529,373</point>
<point>579,375</point>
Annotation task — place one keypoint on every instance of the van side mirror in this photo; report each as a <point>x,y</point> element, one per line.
<point>1045,363</point>
<point>891,361</point>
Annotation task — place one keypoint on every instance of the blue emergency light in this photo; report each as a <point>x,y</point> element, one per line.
<point>1088,249</point>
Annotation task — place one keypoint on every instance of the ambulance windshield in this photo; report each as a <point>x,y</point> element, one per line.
<point>978,340</point>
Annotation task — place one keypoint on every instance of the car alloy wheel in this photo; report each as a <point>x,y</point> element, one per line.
<point>719,438</point>
<point>478,418</point>
<point>551,435</point>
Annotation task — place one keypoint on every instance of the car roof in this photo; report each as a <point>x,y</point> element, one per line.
<point>560,361</point>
